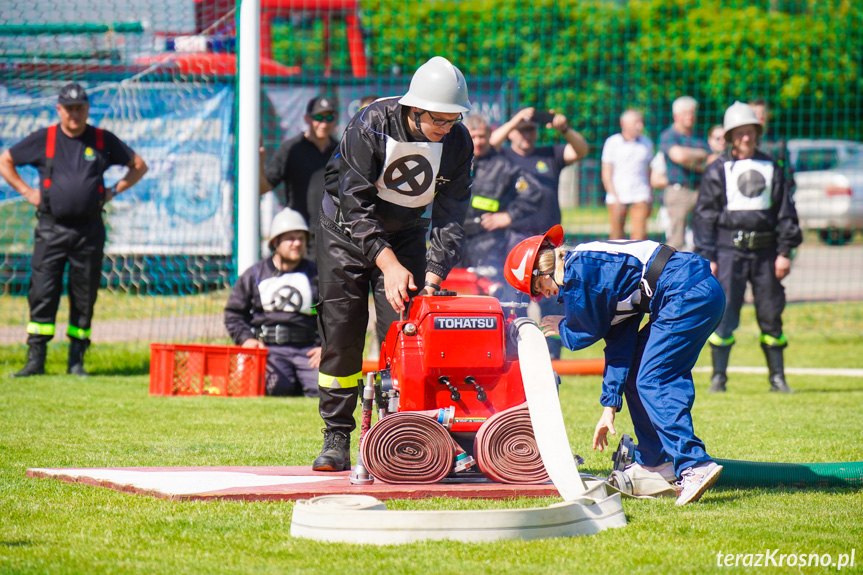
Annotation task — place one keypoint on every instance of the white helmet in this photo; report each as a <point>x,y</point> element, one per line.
<point>287,220</point>
<point>739,114</point>
<point>438,86</point>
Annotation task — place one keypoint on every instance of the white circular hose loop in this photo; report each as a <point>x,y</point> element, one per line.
<point>364,519</point>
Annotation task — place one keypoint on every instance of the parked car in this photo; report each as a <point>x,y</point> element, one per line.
<point>831,201</point>
<point>817,155</point>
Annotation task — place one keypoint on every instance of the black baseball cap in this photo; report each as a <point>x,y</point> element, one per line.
<point>72,94</point>
<point>319,105</point>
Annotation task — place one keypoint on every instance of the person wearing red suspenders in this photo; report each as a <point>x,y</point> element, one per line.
<point>71,158</point>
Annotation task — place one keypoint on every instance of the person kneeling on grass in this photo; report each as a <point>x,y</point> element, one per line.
<point>606,288</point>
<point>271,306</point>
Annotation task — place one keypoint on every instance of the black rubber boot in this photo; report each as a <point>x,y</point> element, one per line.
<point>77,347</point>
<point>336,452</point>
<point>720,356</point>
<point>336,406</point>
<point>776,367</point>
<point>36,352</point>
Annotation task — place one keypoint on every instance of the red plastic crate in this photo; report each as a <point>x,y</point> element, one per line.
<point>225,370</point>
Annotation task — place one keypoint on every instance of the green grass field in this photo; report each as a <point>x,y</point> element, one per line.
<point>48,526</point>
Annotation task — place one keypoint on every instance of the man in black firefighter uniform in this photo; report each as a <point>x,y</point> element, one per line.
<point>503,197</point>
<point>396,157</point>
<point>746,224</point>
<point>71,158</point>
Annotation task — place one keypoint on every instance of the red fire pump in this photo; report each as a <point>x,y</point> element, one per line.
<point>450,398</point>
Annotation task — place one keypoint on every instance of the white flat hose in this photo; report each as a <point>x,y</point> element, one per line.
<point>364,519</point>
<point>540,389</point>
<point>587,508</point>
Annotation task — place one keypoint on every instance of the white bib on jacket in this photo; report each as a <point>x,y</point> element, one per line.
<point>410,169</point>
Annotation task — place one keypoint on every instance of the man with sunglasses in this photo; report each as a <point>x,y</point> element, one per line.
<point>400,160</point>
<point>299,162</point>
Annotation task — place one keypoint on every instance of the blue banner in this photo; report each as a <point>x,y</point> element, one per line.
<point>184,205</point>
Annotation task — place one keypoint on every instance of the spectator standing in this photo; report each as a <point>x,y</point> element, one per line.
<point>397,157</point>
<point>300,161</point>
<point>746,225</point>
<point>72,158</point>
<point>503,196</point>
<point>716,140</point>
<point>608,287</point>
<point>546,164</point>
<point>686,157</point>
<point>626,175</point>
<point>272,306</point>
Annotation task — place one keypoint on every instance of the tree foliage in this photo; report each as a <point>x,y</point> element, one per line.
<point>592,58</point>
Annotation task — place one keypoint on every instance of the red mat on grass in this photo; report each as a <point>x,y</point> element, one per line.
<point>273,483</point>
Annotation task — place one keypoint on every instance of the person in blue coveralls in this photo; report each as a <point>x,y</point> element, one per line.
<point>606,288</point>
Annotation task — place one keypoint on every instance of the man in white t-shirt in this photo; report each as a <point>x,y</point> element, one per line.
<point>626,175</point>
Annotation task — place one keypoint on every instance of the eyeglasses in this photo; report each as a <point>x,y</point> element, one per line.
<point>443,122</point>
<point>322,118</point>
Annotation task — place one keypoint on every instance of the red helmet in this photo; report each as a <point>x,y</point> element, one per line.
<point>518,269</point>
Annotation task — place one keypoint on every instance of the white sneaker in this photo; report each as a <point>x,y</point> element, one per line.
<point>666,470</point>
<point>696,480</point>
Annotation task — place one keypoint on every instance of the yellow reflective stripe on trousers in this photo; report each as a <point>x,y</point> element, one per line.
<point>40,328</point>
<point>333,382</point>
<point>771,341</point>
<point>77,332</point>
<point>720,341</point>
<point>486,204</point>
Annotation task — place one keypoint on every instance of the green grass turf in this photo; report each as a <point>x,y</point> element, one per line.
<point>47,526</point>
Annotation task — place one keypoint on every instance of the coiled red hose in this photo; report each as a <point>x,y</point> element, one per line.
<point>408,447</point>
<point>505,448</point>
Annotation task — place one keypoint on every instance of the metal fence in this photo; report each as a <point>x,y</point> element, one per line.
<point>162,75</point>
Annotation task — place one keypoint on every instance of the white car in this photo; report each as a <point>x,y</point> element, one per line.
<point>817,155</point>
<point>831,201</point>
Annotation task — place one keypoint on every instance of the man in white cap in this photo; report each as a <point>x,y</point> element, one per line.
<point>272,306</point>
<point>397,158</point>
<point>746,224</point>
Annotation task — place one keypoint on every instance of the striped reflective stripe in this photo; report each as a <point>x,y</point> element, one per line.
<point>487,204</point>
<point>77,332</point>
<point>771,341</point>
<point>40,328</point>
<point>333,382</point>
<point>720,341</point>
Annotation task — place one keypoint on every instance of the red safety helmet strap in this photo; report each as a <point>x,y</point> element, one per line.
<point>518,269</point>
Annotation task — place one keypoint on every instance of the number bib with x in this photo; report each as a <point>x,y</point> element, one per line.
<point>410,169</point>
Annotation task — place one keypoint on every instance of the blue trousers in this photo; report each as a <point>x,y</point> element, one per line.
<point>659,391</point>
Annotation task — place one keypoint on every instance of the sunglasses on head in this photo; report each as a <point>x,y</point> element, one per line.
<point>323,118</point>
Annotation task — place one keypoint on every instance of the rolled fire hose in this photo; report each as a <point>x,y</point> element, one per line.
<point>587,509</point>
<point>408,447</point>
<point>506,450</point>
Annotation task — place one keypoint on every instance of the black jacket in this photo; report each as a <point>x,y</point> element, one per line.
<point>370,212</point>
<point>750,202</point>
<point>499,185</point>
<point>263,296</point>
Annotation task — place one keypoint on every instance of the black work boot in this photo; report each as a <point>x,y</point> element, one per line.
<point>77,347</point>
<point>776,367</point>
<point>720,356</point>
<point>37,350</point>
<point>336,452</point>
<point>336,406</point>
